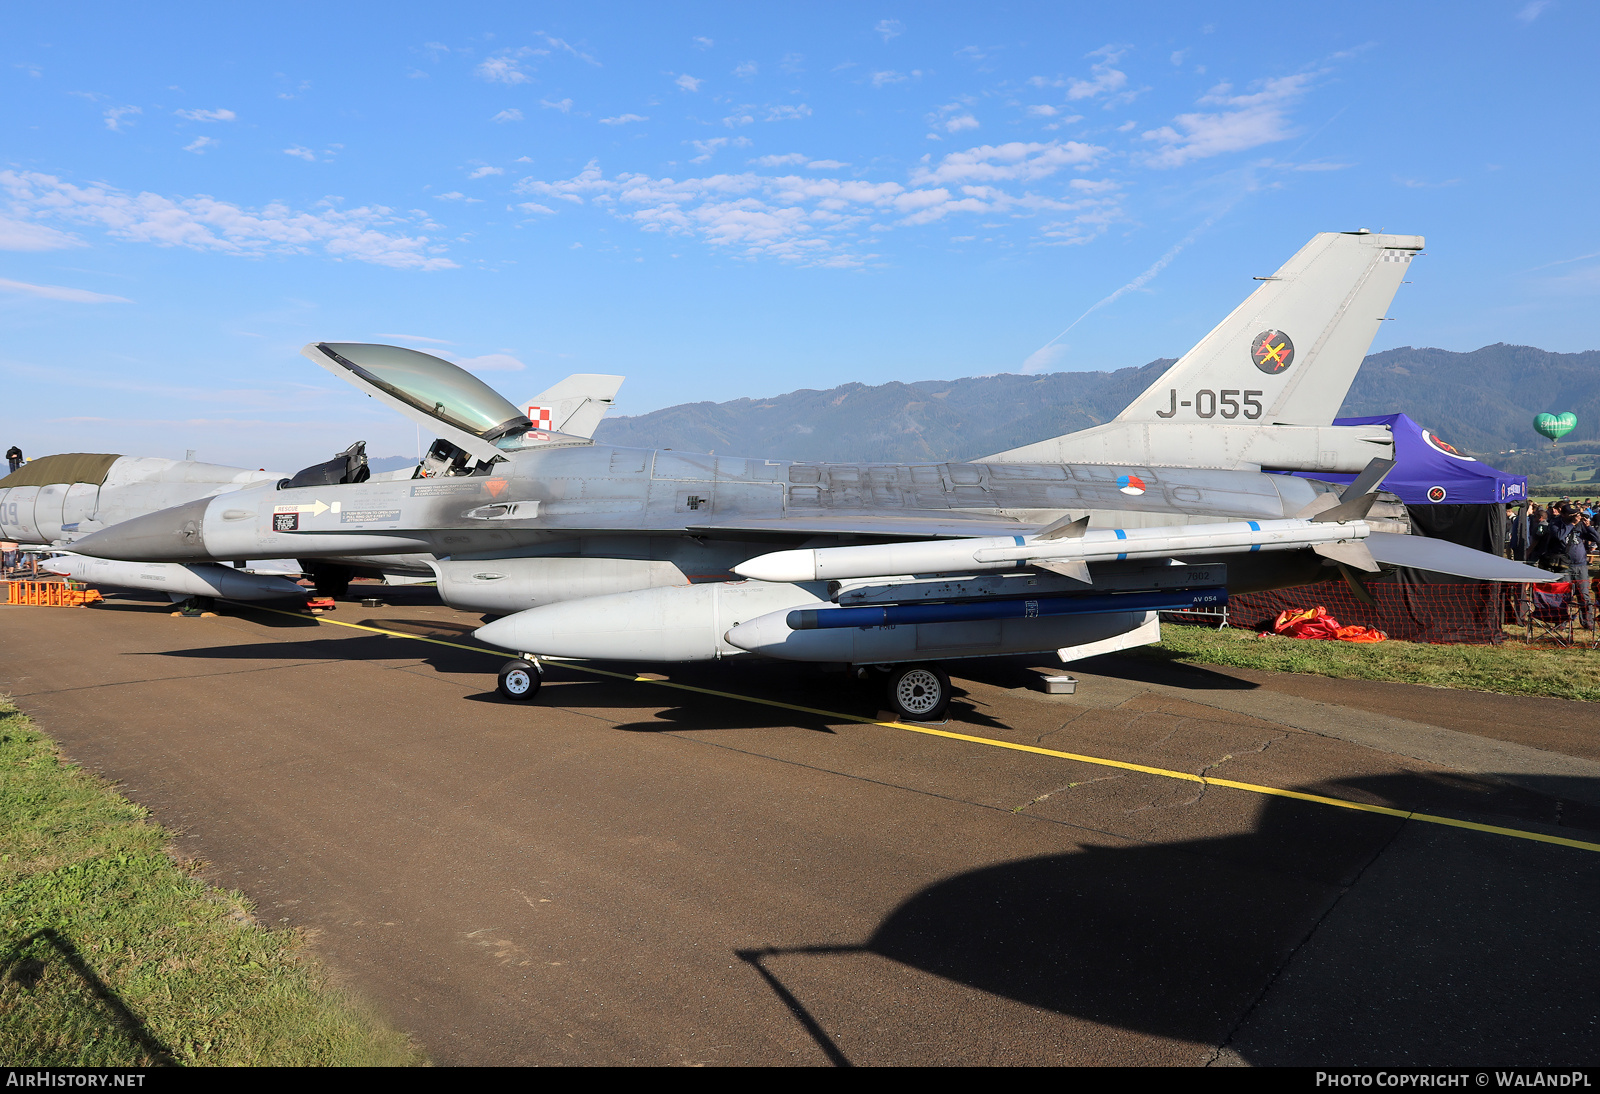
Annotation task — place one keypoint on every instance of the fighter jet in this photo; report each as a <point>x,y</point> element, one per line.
<point>587,550</point>
<point>55,500</point>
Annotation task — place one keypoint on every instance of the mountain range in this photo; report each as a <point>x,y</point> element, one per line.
<point>1483,402</point>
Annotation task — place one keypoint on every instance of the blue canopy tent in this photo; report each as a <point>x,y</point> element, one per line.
<point>1449,496</point>
<point>1429,470</point>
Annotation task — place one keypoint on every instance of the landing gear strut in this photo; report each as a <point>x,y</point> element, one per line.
<point>519,680</point>
<point>919,693</point>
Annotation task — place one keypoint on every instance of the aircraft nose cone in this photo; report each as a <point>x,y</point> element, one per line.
<point>171,535</point>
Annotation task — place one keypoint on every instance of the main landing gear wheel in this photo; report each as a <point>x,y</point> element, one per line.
<point>519,680</point>
<point>919,693</point>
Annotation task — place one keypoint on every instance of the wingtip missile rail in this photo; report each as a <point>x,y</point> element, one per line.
<point>1020,552</point>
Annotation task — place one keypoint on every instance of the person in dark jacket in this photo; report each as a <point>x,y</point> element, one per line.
<point>13,457</point>
<point>1568,539</point>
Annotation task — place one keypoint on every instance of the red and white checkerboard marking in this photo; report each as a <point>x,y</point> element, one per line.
<point>538,415</point>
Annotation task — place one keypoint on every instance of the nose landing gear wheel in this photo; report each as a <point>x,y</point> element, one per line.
<point>919,693</point>
<point>519,681</point>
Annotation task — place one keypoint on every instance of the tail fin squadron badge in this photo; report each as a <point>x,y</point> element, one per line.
<point>1272,352</point>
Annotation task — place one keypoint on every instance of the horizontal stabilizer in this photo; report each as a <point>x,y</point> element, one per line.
<point>1443,557</point>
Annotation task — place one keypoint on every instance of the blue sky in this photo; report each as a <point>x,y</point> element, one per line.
<point>723,200</point>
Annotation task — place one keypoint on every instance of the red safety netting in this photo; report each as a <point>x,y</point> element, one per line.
<point>1470,612</point>
<point>1465,612</point>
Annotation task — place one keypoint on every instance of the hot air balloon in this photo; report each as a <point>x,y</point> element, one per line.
<point>1555,426</point>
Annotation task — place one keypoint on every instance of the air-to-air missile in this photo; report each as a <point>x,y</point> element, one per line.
<point>1071,544</point>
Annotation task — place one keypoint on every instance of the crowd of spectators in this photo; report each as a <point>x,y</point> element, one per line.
<point>1559,537</point>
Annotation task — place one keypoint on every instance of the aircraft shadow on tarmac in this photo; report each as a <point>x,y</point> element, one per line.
<point>1324,936</point>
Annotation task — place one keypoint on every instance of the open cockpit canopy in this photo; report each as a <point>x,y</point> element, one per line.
<point>432,385</point>
<point>437,394</point>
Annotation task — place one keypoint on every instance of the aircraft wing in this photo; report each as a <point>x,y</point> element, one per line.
<point>900,525</point>
<point>1444,557</point>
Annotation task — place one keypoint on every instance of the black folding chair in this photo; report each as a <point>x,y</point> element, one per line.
<point>1550,612</point>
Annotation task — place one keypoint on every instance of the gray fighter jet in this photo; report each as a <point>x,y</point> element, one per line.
<point>595,551</point>
<point>56,500</point>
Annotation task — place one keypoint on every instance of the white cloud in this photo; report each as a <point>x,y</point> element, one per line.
<point>786,160</point>
<point>826,165</point>
<point>61,292</point>
<point>563,46</point>
<point>511,115</point>
<point>369,233</point>
<point>455,195</point>
<point>489,362</point>
<point>1531,11</point>
<point>624,119</point>
<point>486,170</point>
<point>688,83</point>
<point>207,115</point>
<point>1105,78</point>
<point>960,122</point>
<point>22,235</point>
<point>822,221</point>
<point>535,207</point>
<point>702,43</point>
<point>1015,161</point>
<point>1257,118</point>
<point>563,105</point>
<point>708,148</point>
<point>30,68</point>
<point>302,152</point>
<point>746,70</point>
<point>739,118</point>
<point>504,68</point>
<point>115,114</point>
<point>890,28</point>
<point>199,145</point>
<point>1043,111</point>
<point>888,76</point>
<point>416,338</point>
<point>788,113</point>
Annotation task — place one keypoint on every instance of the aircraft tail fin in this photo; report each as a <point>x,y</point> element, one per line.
<point>1289,353</point>
<point>574,405</point>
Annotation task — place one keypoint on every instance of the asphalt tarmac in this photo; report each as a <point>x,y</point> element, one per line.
<point>623,872</point>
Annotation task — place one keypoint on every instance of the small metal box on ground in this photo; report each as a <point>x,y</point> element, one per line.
<point>1058,685</point>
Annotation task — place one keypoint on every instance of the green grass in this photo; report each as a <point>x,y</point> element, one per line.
<point>1512,669</point>
<point>112,954</point>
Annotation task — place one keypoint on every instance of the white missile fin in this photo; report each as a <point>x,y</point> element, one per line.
<point>1076,569</point>
<point>1352,553</point>
<point>1065,528</point>
<point>1319,504</point>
